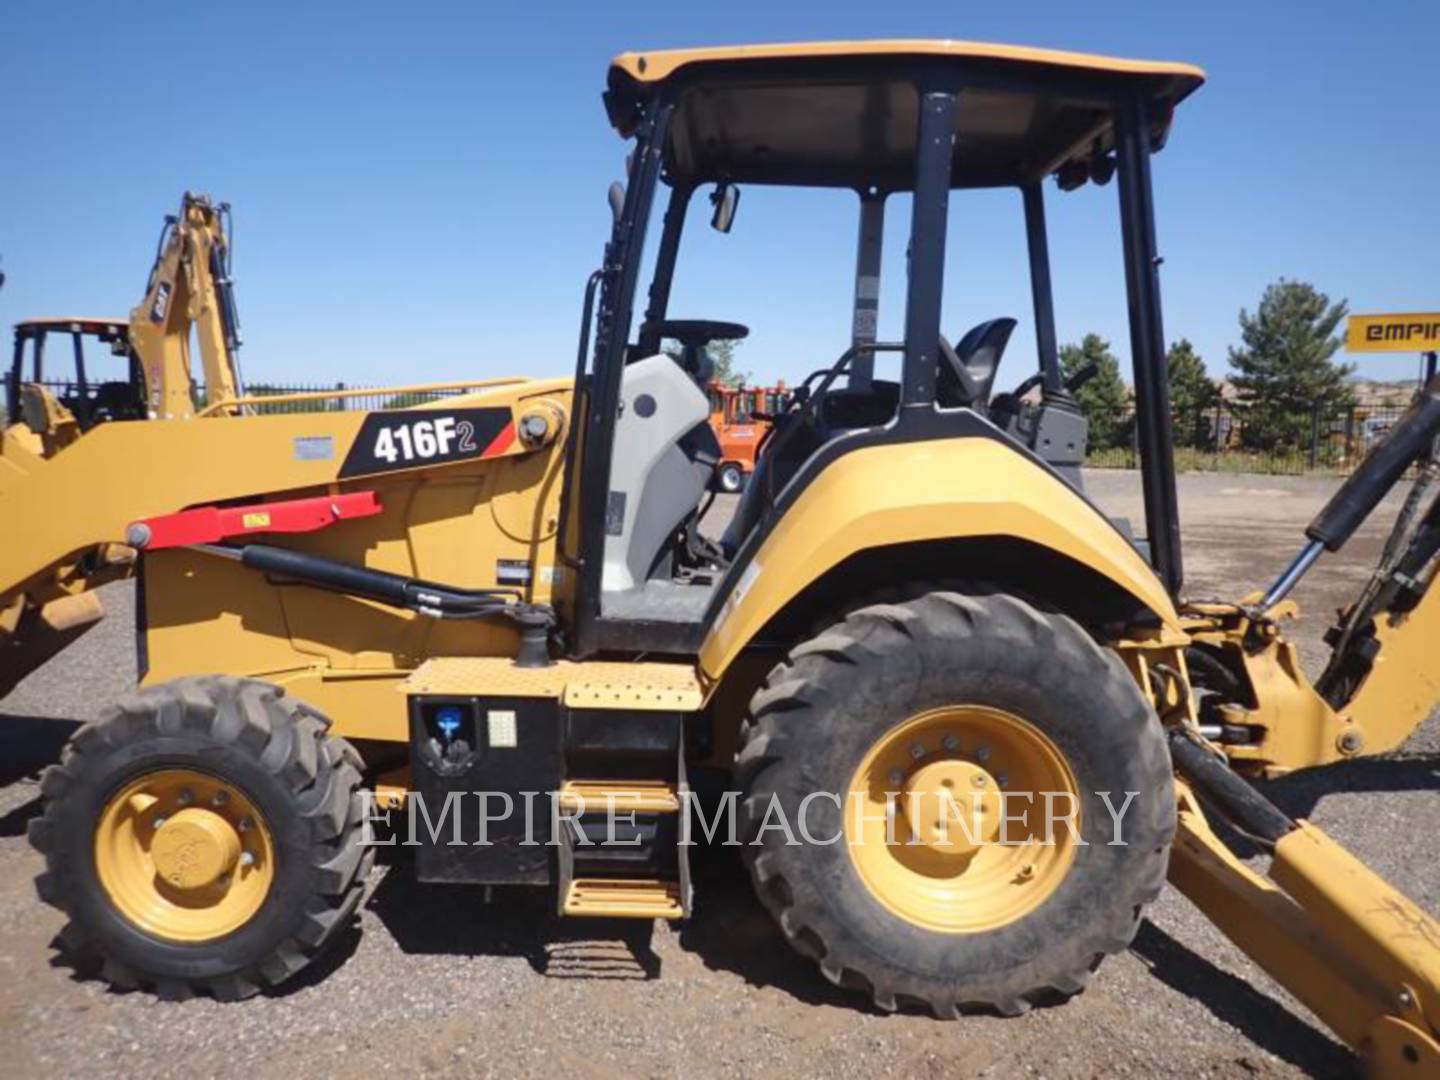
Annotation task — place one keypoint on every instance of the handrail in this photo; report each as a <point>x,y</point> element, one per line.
<point>574,444</point>
<point>360,391</point>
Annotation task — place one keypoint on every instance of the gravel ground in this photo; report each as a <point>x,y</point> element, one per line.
<point>435,980</point>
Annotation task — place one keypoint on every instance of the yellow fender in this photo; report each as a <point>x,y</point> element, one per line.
<point>917,491</point>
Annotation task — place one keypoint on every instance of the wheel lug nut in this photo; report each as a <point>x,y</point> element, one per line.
<point>221,798</point>
<point>159,820</point>
<point>982,753</point>
<point>895,777</point>
<point>1027,871</point>
<point>917,751</point>
<point>950,742</point>
<point>243,824</point>
<point>247,858</point>
<point>186,797</point>
<point>1002,778</point>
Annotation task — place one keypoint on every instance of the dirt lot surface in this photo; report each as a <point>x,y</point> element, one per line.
<point>435,981</point>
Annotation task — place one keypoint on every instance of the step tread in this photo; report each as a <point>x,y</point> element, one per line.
<point>646,796</point>
<point>634,898</point>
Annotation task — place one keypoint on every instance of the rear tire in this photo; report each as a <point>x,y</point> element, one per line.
<point>820,717</point>
<point>731,478</point>
<point>250,739</point>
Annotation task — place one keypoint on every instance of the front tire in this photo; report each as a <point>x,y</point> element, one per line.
<point>203,835</point>
<point>974,693</point>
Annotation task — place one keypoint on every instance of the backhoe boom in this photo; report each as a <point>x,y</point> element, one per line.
<point>189,286</point>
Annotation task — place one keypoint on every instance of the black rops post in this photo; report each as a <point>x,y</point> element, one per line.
<point>1147,340</point>
<point>82,384</point>
<point>659,303</point>
<point>13,379</point>
<point>931,204</point>
<point>617,298</point>
<point>1042,295</point>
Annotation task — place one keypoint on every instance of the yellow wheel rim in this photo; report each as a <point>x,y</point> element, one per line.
<point>184,855</point>
<point>962,844</point>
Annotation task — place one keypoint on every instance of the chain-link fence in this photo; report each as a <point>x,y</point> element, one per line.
<point>1252,439</point>
<point>342,398</point>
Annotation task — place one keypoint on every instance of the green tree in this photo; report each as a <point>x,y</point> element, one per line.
<point>1192,395</point>
<point>1105,397</point>
<point>1285,369</point>
<point>723,355</point>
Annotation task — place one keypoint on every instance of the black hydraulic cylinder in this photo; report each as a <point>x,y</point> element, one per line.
<point>328,573</point>
<point>1230,794</point>
<point>1366,486</point>
<point>396,589</point>
<point>437,601</point>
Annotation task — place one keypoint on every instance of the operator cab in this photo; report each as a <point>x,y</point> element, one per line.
<point>928,121</point>
<point>92,386</point>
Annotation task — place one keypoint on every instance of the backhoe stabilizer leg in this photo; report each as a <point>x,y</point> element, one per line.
<point>1352,948</point>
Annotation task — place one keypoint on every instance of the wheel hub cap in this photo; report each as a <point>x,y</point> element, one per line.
<point>195,849</point>
<point>952,806</point>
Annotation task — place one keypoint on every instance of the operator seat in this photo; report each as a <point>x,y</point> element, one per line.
<point>967,372</point>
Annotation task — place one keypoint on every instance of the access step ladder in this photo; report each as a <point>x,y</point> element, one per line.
<point>621,852</point>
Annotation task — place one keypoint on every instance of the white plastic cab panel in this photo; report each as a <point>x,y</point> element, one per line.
<point>654,481</point>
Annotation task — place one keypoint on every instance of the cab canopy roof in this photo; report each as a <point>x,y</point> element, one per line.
<point>73,324</point>
<point>845,114</point>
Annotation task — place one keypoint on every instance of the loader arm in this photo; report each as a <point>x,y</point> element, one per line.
<point>189,289</point>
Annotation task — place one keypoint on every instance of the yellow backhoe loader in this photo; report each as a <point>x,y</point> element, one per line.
<point>960,722</point>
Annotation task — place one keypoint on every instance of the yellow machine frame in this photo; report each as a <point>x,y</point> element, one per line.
<point>1357,952</point>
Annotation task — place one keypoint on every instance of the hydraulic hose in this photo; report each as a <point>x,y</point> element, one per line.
<point>1230,794</point>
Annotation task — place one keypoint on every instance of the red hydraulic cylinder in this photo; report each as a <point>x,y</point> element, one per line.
<point>210,524</point>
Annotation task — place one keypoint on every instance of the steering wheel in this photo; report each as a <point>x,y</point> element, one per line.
<point>697,333</point>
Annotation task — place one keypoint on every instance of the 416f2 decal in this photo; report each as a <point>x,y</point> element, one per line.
<point>406,440</point>
<point>424,439</point>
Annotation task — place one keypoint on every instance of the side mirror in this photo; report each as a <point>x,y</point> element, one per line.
<point>726,199</point>
<point>616,196</point>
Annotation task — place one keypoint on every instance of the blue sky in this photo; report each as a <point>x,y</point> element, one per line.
<point>419,189</point>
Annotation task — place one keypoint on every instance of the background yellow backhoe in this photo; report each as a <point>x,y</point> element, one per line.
<point>189,294</point>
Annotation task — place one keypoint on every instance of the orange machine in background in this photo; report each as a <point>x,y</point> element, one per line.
<point>740,417</point>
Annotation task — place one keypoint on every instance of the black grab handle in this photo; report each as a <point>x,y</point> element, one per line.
<point>1377,474</point>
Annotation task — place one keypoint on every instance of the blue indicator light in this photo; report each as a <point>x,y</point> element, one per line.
<point>448,720</point>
